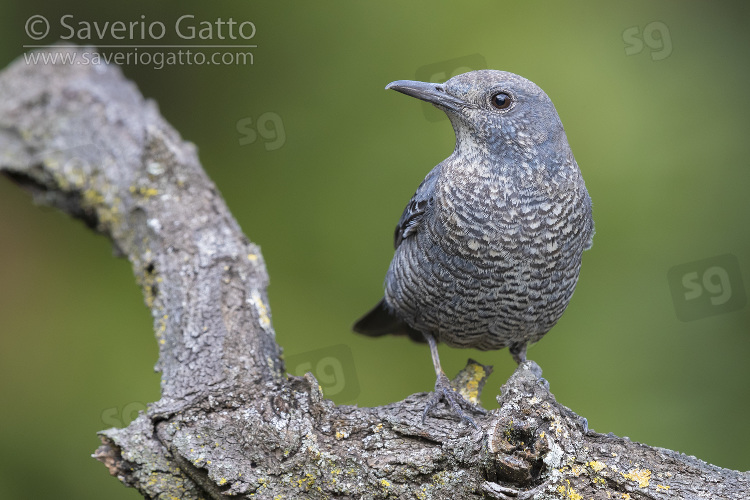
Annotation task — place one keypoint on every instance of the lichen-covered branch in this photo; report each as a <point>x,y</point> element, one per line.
<point>230,421</point>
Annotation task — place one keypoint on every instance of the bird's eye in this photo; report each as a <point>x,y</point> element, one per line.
<point>501,100</point>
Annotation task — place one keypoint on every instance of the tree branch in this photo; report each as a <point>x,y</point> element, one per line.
<point>230,421</point>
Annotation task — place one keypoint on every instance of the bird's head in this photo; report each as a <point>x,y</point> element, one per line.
<point>500,111</point>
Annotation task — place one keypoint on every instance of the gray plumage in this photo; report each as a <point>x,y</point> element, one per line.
<point>488,250</point>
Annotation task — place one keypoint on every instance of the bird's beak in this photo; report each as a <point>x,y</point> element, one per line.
<point>431,92</point>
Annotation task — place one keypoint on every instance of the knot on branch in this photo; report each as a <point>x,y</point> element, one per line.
<point>527,435</point>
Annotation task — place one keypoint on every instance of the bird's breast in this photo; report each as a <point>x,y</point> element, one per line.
<point>483,215</point>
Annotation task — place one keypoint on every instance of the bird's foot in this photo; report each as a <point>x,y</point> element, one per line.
<point>444,390</point>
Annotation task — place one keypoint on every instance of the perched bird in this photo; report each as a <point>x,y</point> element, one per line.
<point>488,250</point>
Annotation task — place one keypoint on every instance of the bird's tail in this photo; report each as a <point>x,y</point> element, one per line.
<point>381,321</point>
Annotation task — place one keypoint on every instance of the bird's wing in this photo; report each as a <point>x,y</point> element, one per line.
<point>417,207</point>
<point>590,229</point>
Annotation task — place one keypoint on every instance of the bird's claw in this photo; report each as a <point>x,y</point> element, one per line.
<point>455,400</point>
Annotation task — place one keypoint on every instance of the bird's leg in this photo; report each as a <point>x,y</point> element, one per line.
<point>518,351</point>
<point>443,390</point>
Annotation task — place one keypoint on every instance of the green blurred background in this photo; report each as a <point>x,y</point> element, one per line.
<point>317,161</point>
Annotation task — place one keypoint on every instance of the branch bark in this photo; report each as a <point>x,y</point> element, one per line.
<point>230,421</point>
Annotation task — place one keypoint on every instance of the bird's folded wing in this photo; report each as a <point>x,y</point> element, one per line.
<point>417,207</point>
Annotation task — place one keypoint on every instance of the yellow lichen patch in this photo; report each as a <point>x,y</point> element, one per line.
<point>567,491</point>
<point>107,212</point>
<point>470,390</point>
<point>662,487</point>
<point>439,478</point>
<point>260,307</point>
<point>378,428</point>
<point>556,426</point>
<point>341,434</point>
<point>596,465</point>
<point>577,470</point>
<point>146,192</point>
<point>306,482</point>
<point>162,326</point>
<point>92,197</point>
<point>148,281</point>
<point>222,481</point>
<point>252,257</point>
<point>640,476</point>
<point>385,484</point>
<point>108,216</point>
<point>77,177</point>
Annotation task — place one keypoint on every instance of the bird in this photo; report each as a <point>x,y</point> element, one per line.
<point>488,250</point>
